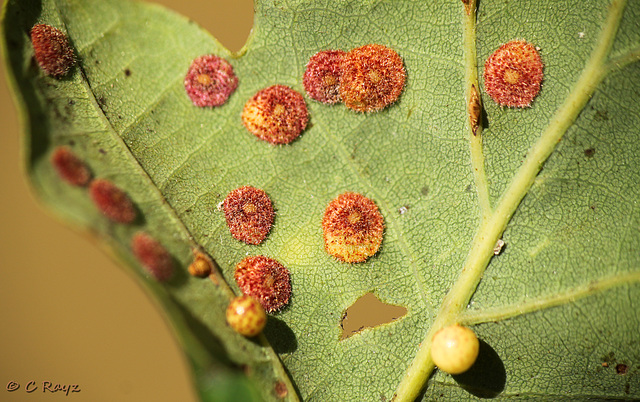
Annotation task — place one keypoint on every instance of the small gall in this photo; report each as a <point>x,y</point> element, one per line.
<point>513,74</point>
<point>210,81</point>
<point>373,77</point>
<point>246,316</point>
<point>249,214</point>
<point>352,227</point>
<point>321,79</point>
<point>276,114</point>
<point>153,256</point>
<point>201,266</point>
<point>52,50</point>
<point>474,109</point>
<point>114,203</point>
<point>70,167</point>
<point>454,349</point>
<point>265,279</point>
<point>281,389</point>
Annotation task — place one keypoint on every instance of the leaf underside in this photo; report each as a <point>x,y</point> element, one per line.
<point>572,246</point>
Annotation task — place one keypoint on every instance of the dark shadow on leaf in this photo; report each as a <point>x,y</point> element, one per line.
<point>280,336</point>
<point>487,377</point>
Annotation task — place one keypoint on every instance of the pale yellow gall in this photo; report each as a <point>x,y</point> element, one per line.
<point>454,349</point>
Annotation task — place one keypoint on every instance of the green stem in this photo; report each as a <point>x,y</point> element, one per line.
<point>492,228</point>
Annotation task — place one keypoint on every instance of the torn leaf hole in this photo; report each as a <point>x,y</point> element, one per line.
<point>368,312</point>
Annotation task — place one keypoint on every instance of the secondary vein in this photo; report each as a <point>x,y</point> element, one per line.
<point>549,301</point>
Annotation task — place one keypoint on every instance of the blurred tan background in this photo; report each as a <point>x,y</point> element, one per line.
<point>69,314</point>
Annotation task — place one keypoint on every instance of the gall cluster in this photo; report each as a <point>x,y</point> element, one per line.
<point>367,79</point>
<point>116,205</point>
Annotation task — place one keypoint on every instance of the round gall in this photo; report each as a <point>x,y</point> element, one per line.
<point>454,349</point>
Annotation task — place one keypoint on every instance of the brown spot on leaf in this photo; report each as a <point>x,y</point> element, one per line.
<point>622,369</point>
<point>589,152</point>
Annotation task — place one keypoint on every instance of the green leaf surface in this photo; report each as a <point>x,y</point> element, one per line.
<point>557,310</point>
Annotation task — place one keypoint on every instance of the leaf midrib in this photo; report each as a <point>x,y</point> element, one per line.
<point>491,229</point>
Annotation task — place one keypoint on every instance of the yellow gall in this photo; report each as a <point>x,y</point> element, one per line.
<point>276,114</point>
<point>201,265</point>
<point>513,74</point>
<point>352,227</point>
<point>373,77</point>
<point>246,316</point>
<point>454,349</point>
<point>249,214</point>
<point>266,280</point>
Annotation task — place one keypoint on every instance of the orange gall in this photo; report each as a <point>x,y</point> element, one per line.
<point>353,227</point>
<point>249,214</point>
<point>276,114</point>
<point>153,256</point>
<point>70,167</point>
<point>52,50</point>
<point>112,201</point>
<point>513,74</point>
<point>321,79</point>
<point>210,81</point>
<point>266,280</point>
<point>201,265</point>
<point>373,77</point>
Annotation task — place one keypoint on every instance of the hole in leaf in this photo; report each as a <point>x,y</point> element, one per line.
<point>228,21</point>
<point>368,312</point>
